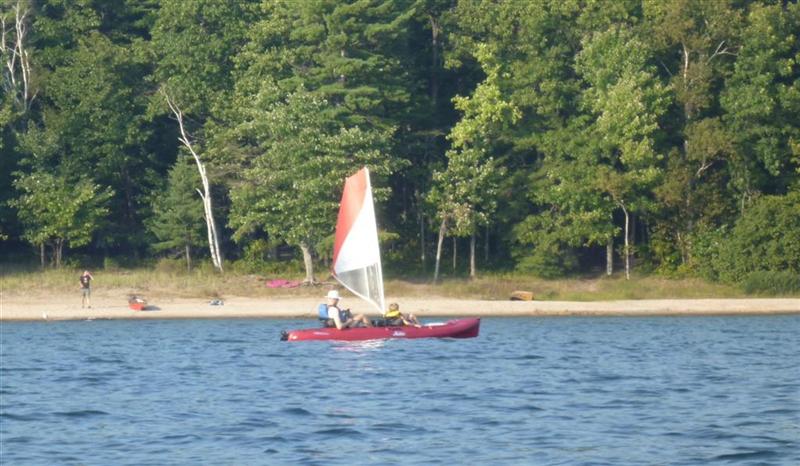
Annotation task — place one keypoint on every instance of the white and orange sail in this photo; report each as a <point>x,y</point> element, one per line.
<point>356,254</point>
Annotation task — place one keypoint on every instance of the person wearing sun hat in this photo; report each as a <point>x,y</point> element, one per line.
<point>336,317</point>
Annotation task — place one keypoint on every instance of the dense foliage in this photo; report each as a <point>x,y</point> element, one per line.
<point>551,136</point>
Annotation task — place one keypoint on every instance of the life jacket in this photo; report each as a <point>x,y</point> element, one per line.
<point>392,314</point>
<point>322,310</point>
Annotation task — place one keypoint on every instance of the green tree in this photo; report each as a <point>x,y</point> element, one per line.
<point>297,160</point>
<point>575,213</point>
<point>90,116</point>
<point>348,53</point>
<point>19,90</point>
<point>465,194</point>
<point>761,100</point>
<point>56,211</point>
<point>765,238</point>
<point>696,42</point>
<point>177,219</point>
<point>627,100</point>
<point>195,43</point>
<point>537,42</point>
<point>610,164</point>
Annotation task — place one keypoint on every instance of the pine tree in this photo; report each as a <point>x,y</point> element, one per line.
<point>297,162</point>
<point>177,219</point>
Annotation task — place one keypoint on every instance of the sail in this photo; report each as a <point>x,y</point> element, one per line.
<point>356,255</point>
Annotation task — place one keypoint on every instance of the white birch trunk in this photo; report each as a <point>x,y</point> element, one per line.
<point>442,230</point>
<point>422,239</point>
<point>486,246</point>
<point>58,247</point>
<point>205,194</point>
<point>610,257</point>
<point>17,59</point>
<point>472,272</point>
<point>627,250</point>
<point>454,253</point>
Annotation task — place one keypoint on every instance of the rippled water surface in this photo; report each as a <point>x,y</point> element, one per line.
<point>616,391</point>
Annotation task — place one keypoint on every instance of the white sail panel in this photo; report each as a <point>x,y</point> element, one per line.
<point>357,260</point>
<point>360,247</point>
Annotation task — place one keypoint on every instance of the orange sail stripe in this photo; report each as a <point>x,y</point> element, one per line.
<point>355,188</point>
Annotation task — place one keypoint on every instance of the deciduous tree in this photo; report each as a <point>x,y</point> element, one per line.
<point>57,210</point>
<point>465,194</point>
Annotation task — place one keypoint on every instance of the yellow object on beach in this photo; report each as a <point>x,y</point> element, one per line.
<point>522,296</point>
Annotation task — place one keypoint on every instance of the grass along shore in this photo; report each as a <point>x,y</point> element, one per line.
<point>204,283</point>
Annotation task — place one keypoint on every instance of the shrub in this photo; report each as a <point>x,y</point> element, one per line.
<point>707,252</point>
<point>110,263</point>
<point>171,266</point>
<point>548,262</point>
<point>766,238</point>
<point>772,282</point>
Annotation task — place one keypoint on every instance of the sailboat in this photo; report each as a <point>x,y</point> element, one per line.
<point>357,266</point>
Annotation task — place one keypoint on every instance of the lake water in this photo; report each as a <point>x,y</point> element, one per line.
<point>544,391</point>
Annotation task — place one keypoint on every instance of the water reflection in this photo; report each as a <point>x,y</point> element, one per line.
<point>358,347</point>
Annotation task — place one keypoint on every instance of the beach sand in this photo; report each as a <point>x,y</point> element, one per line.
<point>114,306</point>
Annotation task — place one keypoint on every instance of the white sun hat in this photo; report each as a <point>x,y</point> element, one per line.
<point>333,294</point>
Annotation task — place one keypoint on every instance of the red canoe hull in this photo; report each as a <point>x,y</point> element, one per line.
<point>461,328</point>
<point>137,306</point>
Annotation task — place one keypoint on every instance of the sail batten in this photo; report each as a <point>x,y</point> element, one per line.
<point>356,253</point>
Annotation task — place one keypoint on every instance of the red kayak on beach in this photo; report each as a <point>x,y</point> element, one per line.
<point>460,328</point>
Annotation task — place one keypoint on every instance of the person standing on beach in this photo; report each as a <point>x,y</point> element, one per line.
<point>86,289</point>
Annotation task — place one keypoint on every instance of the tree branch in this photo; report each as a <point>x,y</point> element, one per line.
<point>703,167</point>
<point>720,51</point>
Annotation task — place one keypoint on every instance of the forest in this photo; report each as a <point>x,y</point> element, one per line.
<point>546,137</point>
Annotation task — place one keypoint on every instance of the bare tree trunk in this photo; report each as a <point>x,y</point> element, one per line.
<point>454,253</point>
<point>188,257</point>
<point>205,195</point>
<point>627,244</point>
<point>610,257</point>
<point>59,246</point>
<point>435,29</point>
<point>42,254</point>
<point>486,246</point>
<point>472,273</point>
<point>309,264</point>
<point>442,230</point>
<point>422,238</point>
<point>16,57</point>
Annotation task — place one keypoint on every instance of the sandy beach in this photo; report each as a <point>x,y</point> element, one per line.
<point>68,307</point>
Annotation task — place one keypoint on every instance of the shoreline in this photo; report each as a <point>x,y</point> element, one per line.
<point>17,308</point>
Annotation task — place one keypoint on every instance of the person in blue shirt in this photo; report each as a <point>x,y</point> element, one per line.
<point>336,317</point>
